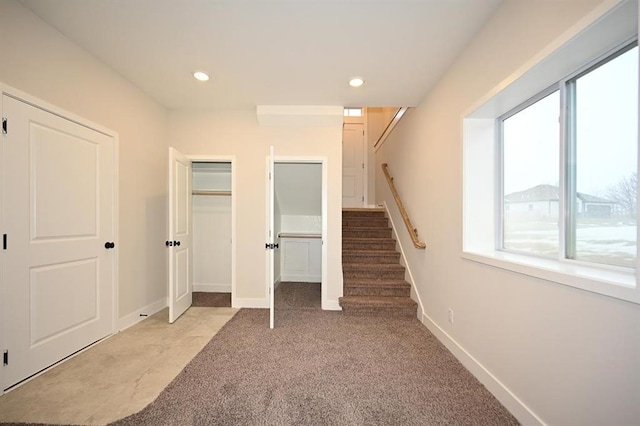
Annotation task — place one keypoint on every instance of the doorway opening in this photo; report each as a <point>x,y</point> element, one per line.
<point>212,233</point>
<point>298,228</point>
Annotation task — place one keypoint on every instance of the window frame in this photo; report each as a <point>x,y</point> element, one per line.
<point>500,206</point>
<point>566,168</point>
<point>569,151</point>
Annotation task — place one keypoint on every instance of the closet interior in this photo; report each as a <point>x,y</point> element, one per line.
<point>211,212</point>
<point>298,224</point>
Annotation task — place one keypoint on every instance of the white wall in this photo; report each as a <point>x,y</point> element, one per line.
<point>38,60</point>
<point>570,356</point>
<point>377,120</point>
<point>237,133</point>
<point>375,126</point>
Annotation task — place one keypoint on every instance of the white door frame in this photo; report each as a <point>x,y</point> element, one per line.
<point>226,159</point>
<point>60,112</point>
<point>325,184</point>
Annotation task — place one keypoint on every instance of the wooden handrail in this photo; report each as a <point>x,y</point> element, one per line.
<point>392,124</point>
<point>413,232</point>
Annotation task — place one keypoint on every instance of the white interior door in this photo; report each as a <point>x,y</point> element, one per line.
<point>353,165</point>
<point>272,238</point>
<point>180,235</point>
<point>58,215</point>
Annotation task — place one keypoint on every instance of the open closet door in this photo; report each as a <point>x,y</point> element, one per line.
<point>272,238</point>
<point>180,235</point>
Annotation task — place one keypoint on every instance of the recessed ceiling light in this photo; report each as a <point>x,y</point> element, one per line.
<point>199,75</point>
<point>356,82</point>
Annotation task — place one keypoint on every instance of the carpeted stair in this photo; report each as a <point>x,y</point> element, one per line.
<point>373,278</point>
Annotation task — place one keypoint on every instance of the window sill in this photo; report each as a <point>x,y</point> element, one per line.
<point>618,284</point>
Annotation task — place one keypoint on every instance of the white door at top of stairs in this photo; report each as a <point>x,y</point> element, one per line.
<point>59,256</point>
<point>353,165</point>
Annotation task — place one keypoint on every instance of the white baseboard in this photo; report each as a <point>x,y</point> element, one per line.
<point>212,288</point>
<point>512,403</point>
<point>331,305</point>
<point>141,314</point>
<point>277,283</point>
<point>250,303</point>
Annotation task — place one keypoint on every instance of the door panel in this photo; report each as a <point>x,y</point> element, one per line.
<point>57,275</point>
<point>78,278</point>
<point>353,165</point>
<point>62,205</point>
<point>180,235</point>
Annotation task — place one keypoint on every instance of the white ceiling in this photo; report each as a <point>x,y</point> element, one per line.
<point>273,52</point>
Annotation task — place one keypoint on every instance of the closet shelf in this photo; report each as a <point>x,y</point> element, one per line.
<point>203,192</point>
<point>298,235</point>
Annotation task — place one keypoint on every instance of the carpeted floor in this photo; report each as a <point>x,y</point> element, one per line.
<point>211,300</point>
<point>323,368</point>
<point>290,295</point>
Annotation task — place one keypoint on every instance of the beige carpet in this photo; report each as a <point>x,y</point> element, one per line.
<point>290,295</point>
<point>211,300</point>
<point>323,368</point>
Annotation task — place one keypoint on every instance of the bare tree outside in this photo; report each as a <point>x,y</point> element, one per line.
<point>625,193</point>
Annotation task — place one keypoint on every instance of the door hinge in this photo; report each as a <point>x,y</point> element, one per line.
<point>4,241</point>
<point>271,246</point>
<point>363,165</point>
<point>5,358</point>
<point>4,126</point>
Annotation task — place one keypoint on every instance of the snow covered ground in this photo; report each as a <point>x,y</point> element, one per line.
<point>613,244</point>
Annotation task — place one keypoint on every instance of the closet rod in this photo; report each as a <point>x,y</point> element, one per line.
<point>298,235</point>
<point>201,192</point>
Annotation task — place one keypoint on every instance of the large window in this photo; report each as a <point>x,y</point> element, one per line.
<point>569,167</point>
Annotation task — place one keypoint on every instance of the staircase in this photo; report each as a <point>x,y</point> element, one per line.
<point>374,281</point>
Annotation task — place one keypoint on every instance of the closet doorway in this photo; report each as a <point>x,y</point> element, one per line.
<point>299,223</point>
<point>211,211</point>
<point>201,246</point>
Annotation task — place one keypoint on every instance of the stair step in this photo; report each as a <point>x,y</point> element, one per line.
<point>368,243</point>
<point>379,305</point>
<point>363,212</point>
<point>374,222</point>
<point>376,287</point>
<point>366,232</point>
<point>367,270</point>
<point>370,256</point>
